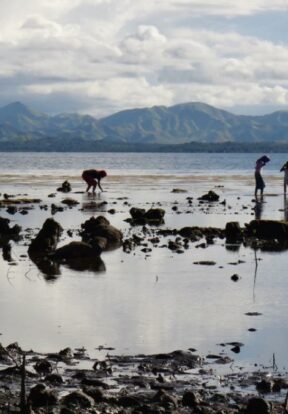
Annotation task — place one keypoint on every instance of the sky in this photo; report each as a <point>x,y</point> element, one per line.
<point>99,57</point>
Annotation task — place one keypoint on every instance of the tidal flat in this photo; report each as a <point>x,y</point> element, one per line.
<point>166,314</point>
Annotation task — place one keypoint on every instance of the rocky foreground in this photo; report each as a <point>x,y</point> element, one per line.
<point>178,382</point>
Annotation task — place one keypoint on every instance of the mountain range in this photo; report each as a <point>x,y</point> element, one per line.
<point>159,127</point>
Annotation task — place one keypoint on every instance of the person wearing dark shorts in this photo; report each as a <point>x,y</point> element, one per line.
<point>93,178</point>
<point>259,182</point>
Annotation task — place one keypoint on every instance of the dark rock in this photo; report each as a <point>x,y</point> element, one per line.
<point>190,399</point>
<point>11,210</point>
<point>166,400</point>
<point>66,353</point>
<point>101,227</point>
<point>77,250</point>
<point>155,215</point>
<point>137,213</point>
<point>264,386</point>
<point>267,229</point>
<point>191,233</point>
<point>42,396</point>
<point>233,232</point>
<point>56,209</point>
<point>173,245</point>
<point>43,366</point>
<point>205,263</point>
<point>47,238</point>
<point>236,349</point>
<point>65,187</point>
<point>178,190</point>
<point>235,277</point>
<point>258,406</point>
<point>70,202</point>
<point>151,216</point>
<point>96,393</point>
<point>78,399</point>
<point>210,196</point>
<point>54,379</point>
<point>6,230</point>
<point>128,401</point>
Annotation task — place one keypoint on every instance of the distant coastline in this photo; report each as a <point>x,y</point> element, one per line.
<point>66,145</point>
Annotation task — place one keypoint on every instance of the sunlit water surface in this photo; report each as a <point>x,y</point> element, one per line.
<point>156,302</point>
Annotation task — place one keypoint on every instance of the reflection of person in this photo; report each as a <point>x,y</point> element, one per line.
<point>285,169</point>
<point>92,178</point>
<point>259,182</point>
<point>285,208</point>
<point>259,208</point>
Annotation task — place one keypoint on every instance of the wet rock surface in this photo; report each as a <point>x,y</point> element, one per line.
<point>47,239</point>
<point>176,382</point>
<point>100,227</point>
<point>65,187</point>
<point>141,216</point>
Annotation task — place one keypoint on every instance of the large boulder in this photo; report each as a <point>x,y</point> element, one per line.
<point>47,239</point>
<point>267,229</point>
<point>233,232</point>
<point>77,249</point>
<point>257,405</point>
<point>100,227</point>
<point>42,396</point>
<point>82,256</point>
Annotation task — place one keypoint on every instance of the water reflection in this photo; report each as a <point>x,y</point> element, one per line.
<point>285,208</point>
<point>259,201</point>
<point>95,264</point>
<point>51,269</point>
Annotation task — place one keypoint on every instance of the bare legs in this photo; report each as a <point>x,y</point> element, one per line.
<point>93,188</point>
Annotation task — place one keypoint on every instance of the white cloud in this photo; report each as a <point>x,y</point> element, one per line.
<point>110,55</point>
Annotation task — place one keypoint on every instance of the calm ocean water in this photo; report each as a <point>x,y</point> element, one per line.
<point>134,163</point>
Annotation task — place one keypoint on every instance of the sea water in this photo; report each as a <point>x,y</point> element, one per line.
<point>157,302</point>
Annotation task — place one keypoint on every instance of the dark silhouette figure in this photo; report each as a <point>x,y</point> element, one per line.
<point>93,178</point>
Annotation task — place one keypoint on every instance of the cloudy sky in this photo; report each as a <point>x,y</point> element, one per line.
<point>103,56</point>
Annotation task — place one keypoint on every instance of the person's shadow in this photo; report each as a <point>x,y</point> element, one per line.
<point>259,202</point>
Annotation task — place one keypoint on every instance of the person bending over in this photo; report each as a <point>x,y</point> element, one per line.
<point>93,178</point>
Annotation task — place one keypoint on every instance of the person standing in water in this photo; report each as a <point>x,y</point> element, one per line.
<point>259,182</point>
<point>93,178</point>
<point>285,169</point>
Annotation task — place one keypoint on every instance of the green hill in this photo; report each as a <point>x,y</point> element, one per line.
<point>181,124</point>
